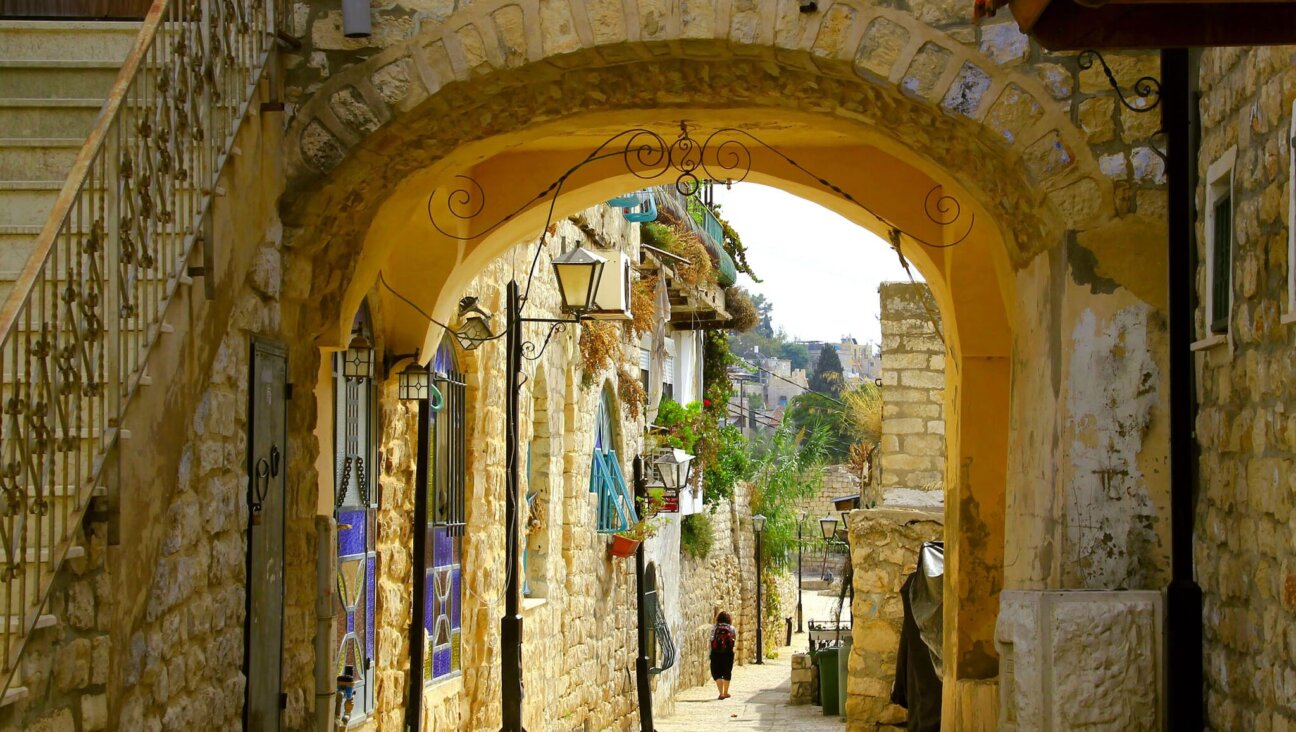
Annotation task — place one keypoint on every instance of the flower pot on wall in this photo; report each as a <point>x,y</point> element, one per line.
<point>623,546</point>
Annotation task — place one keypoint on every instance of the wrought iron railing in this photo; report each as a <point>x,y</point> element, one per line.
<point>76,329</point>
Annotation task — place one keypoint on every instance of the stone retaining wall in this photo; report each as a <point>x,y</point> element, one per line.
<point>884,551</point>
<point>913,390</point>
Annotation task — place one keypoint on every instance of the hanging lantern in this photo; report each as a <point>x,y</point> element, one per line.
<point>578,273</point>
<point>474,324</point>
<point>828,526</point>
<point>758,523</point>
<point>674,467</point>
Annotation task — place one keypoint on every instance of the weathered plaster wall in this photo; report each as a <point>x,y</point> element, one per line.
<point>913,392</point>
<point>1246,387</point>
<point>884,552</point>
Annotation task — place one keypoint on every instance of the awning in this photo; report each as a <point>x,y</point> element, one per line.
<point>1061,25</point>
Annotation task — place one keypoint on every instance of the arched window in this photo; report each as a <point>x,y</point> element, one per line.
<point>616,509</point>
<point>439,522</point>
<point>355,500</point>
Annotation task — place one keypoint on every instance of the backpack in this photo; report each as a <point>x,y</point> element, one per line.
<point>722,638</point>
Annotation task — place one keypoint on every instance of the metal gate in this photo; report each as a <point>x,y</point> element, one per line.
<point>263,629</point>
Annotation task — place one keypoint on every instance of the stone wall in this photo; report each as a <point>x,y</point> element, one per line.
<point>913,391</point>
<point>1246,384</point>
<point>884,551</point>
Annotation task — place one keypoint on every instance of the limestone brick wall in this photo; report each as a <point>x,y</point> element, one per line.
<point>1246,385</point>
<point>884,551</point>
<point>913,390</point>
<point>65,668</point>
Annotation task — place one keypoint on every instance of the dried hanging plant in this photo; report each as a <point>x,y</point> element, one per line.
<point>688,245</point>
<point>599,344</point>
<point>631,392</point>
<point>743,315</point>
<point>643,307</point>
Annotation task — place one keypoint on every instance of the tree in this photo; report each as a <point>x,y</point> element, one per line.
<point>828,378</point>
<point>795,352</point>
<point>765,309</point>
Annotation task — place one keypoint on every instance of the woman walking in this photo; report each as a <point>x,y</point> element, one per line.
<point>723,638</point>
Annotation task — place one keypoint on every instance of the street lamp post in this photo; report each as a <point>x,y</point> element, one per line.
<point>800,526</point>
<point>758,523</point>
<point>578,273</point>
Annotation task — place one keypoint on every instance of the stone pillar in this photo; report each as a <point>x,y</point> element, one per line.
<point>913,394</point>
<point>884,551</point>
<point>805,677</point>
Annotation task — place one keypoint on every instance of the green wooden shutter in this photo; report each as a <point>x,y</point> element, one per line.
<point>1222,265</point>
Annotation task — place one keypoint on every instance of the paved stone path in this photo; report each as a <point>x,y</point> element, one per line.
<point>758,701</point>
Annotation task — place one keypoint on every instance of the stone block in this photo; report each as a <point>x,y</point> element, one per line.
<point>907,426</point>
<point>880,48</point>
<point>1080,659</point>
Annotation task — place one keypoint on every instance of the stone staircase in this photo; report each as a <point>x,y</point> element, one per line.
<point>54,79</point>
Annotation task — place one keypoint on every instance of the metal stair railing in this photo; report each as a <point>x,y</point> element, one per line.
<point>76,330</point>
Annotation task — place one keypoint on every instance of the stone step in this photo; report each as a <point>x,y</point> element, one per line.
<point>45,118</point>
<point>38,158</point>
<point>71,40</point>
<point>57,78</point>
<point>42,622</point>
<point>27,202</point>
<point>32,555</point>
<point>13,695</point>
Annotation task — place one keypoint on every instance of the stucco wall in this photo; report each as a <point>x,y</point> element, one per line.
<point>1246,386</point>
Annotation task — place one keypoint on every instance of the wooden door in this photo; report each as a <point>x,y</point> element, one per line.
<point>263,629</point>
<point>82,9</point>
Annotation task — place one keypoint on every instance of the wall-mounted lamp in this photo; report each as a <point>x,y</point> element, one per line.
<point>414,383</point>
<point>358,360</point>
<point>474,324</point>
<point>356,22</point>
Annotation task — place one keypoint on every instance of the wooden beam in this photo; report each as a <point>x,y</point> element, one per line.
<point>1065,25</point>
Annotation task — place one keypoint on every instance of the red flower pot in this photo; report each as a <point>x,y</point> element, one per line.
<point>623,546</point>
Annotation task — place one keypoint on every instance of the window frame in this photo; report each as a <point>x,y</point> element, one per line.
<point>1219,185</point>
<point>364,473</point>
<point>607,480</point>
<point>439,503</point>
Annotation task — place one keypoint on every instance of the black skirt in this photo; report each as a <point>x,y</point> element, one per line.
<point>722,665</point>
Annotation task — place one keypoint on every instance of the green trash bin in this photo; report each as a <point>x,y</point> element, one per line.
<point>843,666</point>
<point>827,659</point>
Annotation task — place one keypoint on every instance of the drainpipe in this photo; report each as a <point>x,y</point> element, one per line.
<point>355,19</point>
<point>641,663</point>
<point>1184,687</point>
<point>325,579</point>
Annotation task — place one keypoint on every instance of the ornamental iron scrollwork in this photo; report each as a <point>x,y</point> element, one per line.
<point>78,327</point>
<point>725,156</point>
<point>1146,88</point>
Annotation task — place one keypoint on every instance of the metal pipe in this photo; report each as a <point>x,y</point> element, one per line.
<point>356,22</point>
<point>511,623</point>
<point>325,615</point>
<point>760,632</point>
<point>1184,692</point>
<point>641,663</point>
<point>800,628</point>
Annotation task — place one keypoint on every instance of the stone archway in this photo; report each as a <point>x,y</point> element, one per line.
<point>513,92</point>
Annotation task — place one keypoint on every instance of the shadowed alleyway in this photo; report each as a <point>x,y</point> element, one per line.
<point>759,698</point>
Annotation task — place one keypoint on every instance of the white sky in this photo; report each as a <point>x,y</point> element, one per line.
<point>819,270</point>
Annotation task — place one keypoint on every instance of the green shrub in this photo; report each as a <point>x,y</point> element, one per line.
<point>697,535</point>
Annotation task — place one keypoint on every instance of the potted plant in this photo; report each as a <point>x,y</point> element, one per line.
<point>625,543</point>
